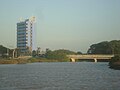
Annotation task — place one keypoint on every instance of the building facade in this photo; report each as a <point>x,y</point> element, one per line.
<point>26,35</point>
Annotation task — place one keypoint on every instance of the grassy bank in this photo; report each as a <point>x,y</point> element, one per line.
<point>30,60</point>
<point>6,61</point>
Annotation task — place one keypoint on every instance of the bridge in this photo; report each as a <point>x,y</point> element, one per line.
<point>73,58</point>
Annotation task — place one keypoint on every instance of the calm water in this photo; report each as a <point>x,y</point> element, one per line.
<point>59,76</point>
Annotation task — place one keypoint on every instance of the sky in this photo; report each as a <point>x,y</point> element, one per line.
<point>62,24</point>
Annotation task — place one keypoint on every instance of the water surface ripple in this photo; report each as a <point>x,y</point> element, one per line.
<point>59,76</point>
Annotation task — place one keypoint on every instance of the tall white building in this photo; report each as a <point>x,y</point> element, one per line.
<point>26,35</point>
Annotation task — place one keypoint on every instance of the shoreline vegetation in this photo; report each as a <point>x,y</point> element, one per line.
<point>115,65</point>
<point>115,62</point>
<point>30,60</point>
<point>50,56</point>
<point>105,47</point>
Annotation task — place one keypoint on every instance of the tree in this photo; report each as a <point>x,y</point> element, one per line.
<point>112,47</point>
<point>60,54</point>
<point>115,46</point>
<point>34,53</point>
<point>115,62</point>
<point>3,51</point>
<point>79,52</point>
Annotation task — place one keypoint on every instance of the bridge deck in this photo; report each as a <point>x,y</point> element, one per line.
<point>91,56</point>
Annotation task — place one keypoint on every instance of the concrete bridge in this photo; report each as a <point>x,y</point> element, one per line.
<point>73,58</point>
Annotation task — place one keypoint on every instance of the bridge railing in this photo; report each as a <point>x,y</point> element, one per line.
<point>90,56</point>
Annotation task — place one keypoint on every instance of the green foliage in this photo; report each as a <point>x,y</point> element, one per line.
<point>58,54</point>
<point>5,54</point>
<point>115,62</point>
<point>34,53</point>
<point>115,46</point>
<point>3,49</point>
<point>114,59</point>
<point>112,47</point>
<point>79,52</point>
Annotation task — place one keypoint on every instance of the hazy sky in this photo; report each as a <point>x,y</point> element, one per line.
<point>62,24</point>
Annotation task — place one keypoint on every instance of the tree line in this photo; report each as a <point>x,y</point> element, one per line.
<point>105,47</point>
<point>60,54</point>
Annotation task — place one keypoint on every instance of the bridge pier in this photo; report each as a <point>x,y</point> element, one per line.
<point>72,59</point>
<point>95,59</point>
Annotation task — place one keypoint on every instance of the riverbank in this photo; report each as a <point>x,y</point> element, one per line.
<point>13,61</point>
<point>115,65</point>
<point>115,62</point>
<point>25,61</point>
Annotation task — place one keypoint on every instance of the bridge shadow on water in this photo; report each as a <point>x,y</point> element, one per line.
<point>92,60</point>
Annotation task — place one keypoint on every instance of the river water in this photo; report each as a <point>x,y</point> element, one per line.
<point>59,76</point>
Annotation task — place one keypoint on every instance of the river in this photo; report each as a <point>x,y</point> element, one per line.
<point>59,76</point>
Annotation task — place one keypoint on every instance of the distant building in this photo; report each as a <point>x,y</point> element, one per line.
<point>26,35</point>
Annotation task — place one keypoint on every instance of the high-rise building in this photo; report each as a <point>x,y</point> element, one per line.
<point>26,35</point>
